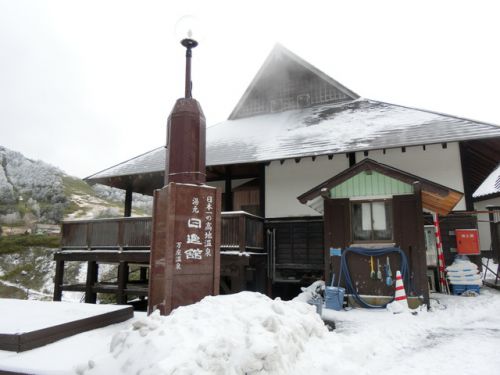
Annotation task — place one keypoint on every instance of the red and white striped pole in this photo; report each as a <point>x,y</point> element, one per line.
<point>443,286</point>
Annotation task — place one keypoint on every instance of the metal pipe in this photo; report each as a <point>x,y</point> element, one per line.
<point>188,85</point>
<point>189,44</point>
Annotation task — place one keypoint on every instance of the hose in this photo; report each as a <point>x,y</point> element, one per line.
<point>344,269</point>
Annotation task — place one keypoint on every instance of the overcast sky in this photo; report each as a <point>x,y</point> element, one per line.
<point>87,84</point>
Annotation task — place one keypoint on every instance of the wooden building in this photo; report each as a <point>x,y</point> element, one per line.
<point>294,128</point>
<point>487,202</point>
<point>486,196</point>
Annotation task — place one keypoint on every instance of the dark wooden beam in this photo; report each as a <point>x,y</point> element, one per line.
<point>466,167</point>
<point>262,190</point>
<point>58,280</point>
<point>352,158</point>
<point>92,276</point>
<point>121,296</point>
<point>420,261</point>
<point>127,211</point>
<point>228,190</point>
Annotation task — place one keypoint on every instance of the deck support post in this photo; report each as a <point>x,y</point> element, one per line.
<point>121,296</point>
<point>143,274</point>
<point>242,233</point>
<point>58,280</point>
<point>92,275</point>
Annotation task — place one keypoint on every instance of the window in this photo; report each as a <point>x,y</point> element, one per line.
<point>372,221</point>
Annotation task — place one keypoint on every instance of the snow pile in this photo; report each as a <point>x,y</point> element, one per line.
<point>244,333</point>
<point>311,292</point>
<point>458,336</point>
<point>463,272</point>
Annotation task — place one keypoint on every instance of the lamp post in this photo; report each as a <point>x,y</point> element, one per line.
<point>185,259</point>
<point>189,44</point>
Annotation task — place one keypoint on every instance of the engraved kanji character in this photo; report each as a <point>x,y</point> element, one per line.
<point>194,223</point>
<point>193,238</point>
<point>193,254</point>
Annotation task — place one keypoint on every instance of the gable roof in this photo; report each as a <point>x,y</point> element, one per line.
<point>284,77</point>
<point>435,197</point>
<point>490,187</point>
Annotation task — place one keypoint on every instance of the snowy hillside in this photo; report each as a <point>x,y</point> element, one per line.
<point>34,191</point>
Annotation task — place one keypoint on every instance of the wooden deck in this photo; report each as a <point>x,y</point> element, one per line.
<point>35,335</point>
<point>126,242</point>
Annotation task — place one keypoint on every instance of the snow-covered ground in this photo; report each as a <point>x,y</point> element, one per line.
<point>248,333</point>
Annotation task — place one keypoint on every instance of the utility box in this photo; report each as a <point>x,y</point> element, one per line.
<point>467,241</point>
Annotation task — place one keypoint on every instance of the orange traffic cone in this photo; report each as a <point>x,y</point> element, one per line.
<point>400,291</point>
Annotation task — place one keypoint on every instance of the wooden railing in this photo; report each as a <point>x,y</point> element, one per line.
<point>239,231</point>
<point>119,233</point>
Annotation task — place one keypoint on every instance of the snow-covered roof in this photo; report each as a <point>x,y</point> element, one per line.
<point>291,109</point>
<point>357,125</point>
<point>151,161</point>
<point>489,186</point>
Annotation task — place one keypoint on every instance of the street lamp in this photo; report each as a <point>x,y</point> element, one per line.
<point>189,44</point>
<point>184,30</point>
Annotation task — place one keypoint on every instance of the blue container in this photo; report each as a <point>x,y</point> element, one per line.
<point>334,297</point>
<point>458,289</point>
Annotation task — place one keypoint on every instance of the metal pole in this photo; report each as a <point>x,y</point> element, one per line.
<point>189,54</point>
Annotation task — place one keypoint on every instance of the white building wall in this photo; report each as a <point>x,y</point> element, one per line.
<point>484,227</point>
<point>285,182</point>
<point>438,164</point>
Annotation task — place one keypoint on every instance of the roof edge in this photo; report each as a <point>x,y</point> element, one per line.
<point>91,177</point>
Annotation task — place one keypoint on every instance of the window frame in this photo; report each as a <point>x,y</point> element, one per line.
<point>372,231</point>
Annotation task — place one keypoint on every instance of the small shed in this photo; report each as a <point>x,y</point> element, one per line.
<point>373,205</point>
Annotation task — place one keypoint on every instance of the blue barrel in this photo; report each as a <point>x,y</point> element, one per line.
<point>334,297</point>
